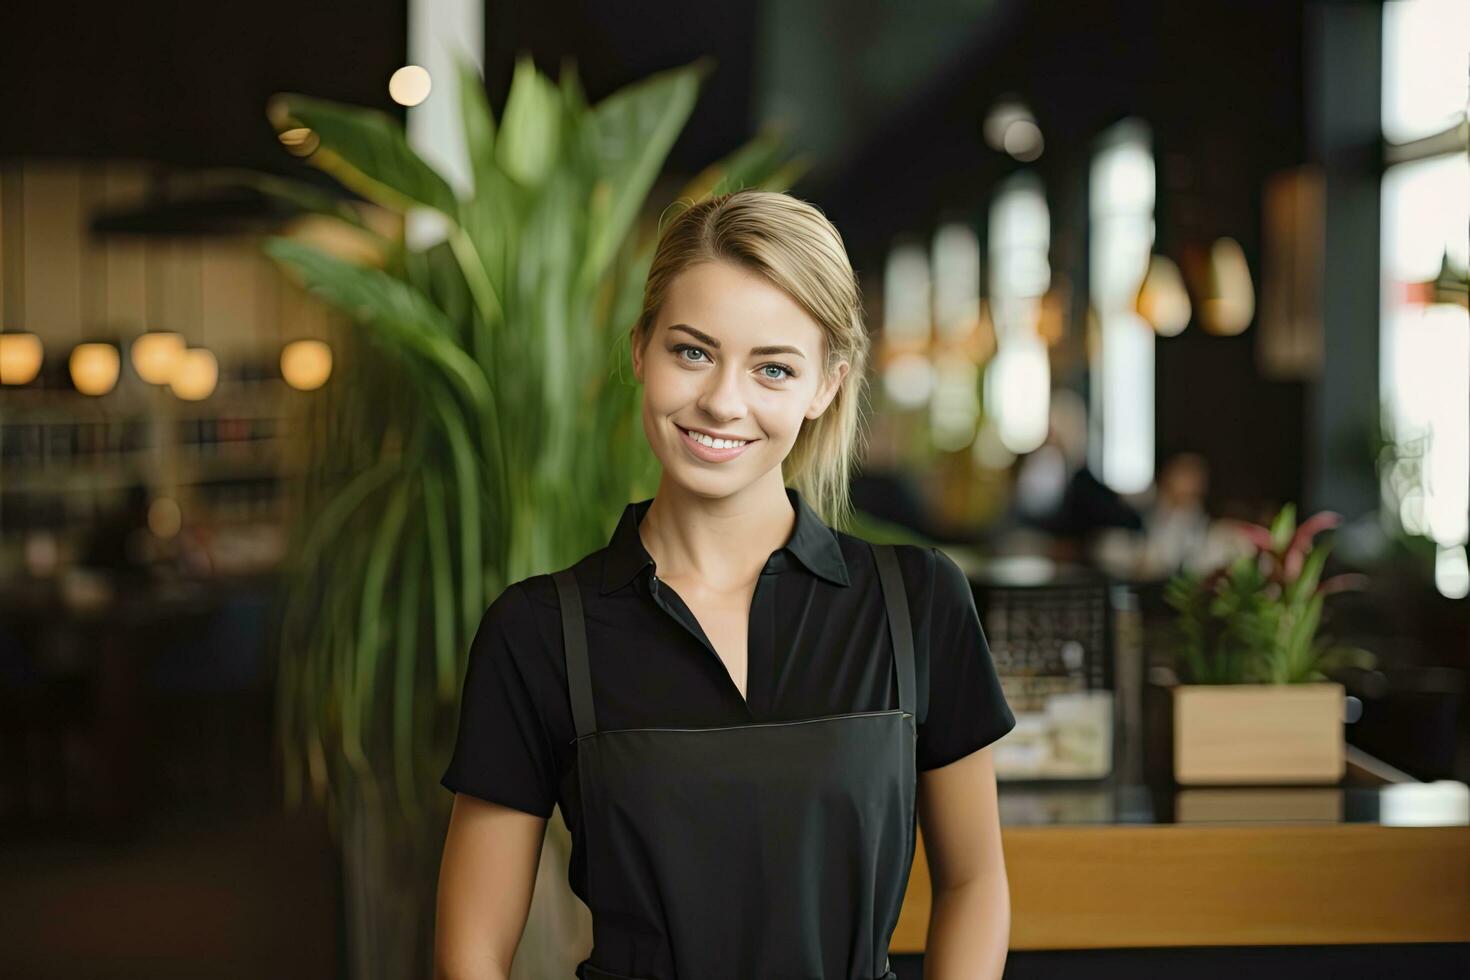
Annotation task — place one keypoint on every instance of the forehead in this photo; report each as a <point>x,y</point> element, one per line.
<point>722,297</point>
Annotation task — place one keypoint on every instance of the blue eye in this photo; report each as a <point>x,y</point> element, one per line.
<point>680,349</point>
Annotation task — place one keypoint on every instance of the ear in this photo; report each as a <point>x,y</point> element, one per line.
<point>637,349</point>
<point>828,391</point>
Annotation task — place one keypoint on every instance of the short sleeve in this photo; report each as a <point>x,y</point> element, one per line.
<point>503,751</point>
<point>967,709</point>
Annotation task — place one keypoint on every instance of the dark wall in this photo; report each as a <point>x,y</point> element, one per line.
<point>614,44</point>
<point>184,82</point>
<point>1220,83</point>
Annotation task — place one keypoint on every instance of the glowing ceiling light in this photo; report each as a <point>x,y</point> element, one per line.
<point>155,355</point>
<point>1229,299</point>
<point>1011,128</point>
<point>1023,140</point>
<point>306,364</point>
<point>1001,117</point>
<point>195,375</point>
<point>410,85</point>
<point>1162,299</point>
<point>20,357</point>
<point>94,368</point>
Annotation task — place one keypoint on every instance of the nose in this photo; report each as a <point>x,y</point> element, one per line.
<point>722,397</point>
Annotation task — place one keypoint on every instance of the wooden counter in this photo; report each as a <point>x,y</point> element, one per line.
<point>1226,882</point>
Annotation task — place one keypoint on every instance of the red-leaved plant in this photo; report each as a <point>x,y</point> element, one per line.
<point>1255,620</point>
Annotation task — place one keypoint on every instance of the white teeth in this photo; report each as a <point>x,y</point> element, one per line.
<point>703,439</point>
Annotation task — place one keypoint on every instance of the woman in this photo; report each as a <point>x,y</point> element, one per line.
<point>740,710</point>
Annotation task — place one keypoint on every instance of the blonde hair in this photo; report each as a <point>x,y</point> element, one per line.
<point>792,244</point>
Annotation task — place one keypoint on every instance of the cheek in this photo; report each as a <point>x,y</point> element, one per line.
<point>779,414</point>
<point>665,385</point>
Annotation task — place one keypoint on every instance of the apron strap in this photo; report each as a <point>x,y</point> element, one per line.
<point>574,648</point>
<point>899,627</point>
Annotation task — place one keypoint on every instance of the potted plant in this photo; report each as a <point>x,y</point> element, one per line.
<point>474,434</point>
<point>1255,702</point>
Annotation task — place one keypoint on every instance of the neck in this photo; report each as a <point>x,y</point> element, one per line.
<point>720,542</point>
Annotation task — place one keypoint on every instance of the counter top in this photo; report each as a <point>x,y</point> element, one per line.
<point>1378,858</point>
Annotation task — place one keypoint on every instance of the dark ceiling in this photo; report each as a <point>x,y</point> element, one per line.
<point>187,83</point>
<point>1219,81</point>
<point>184,82</point>
<point>895,106</point>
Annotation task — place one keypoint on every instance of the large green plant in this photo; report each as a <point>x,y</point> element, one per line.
<point>1256,620</point>
<point>478,428</point>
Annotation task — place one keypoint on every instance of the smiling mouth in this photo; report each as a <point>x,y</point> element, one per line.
<point>697,436</point>
<point>714,451</point>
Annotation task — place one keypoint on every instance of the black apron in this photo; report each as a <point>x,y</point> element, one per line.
<point>762,851</point>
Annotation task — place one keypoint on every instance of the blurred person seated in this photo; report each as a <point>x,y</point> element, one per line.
<point>1177,533</point>
<point>1057,494</point>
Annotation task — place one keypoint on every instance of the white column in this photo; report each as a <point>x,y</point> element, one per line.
<point>438,30</point>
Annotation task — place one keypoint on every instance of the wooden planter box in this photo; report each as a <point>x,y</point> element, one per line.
<point>1258,733</point>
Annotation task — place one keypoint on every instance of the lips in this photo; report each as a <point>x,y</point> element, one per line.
<point>709,454</point>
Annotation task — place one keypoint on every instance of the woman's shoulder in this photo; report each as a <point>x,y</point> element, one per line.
<point>539,591</point>
<point>525,619</point>
<point>919,563</point>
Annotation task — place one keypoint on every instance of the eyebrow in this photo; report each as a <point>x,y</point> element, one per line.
<point>707,339</point>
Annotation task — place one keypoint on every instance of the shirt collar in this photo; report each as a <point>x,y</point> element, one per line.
<point>812,543</point>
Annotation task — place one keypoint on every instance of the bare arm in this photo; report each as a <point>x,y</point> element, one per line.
<point>970,922</point>
<point>486,878</point>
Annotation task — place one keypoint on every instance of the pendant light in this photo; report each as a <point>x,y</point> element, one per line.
<point>1228,300</point>
<point>195,375</point>
<point>94,367</point>
<point>1163,300</point>
<point>197,370</point>
<point>93,364</point>
<point>20,357</point>
<point>21,351</point>
<point>306,363</point>
<point>154,353</point>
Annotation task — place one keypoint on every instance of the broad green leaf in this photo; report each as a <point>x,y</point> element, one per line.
<point>441,586</point>
<point>476,117</point>
<point>631,133</point>
<point>403,316</point>
<point>367,151</point>
<point>573,96</point>
<point>332,518</point>
<point>750,165</point>
<point>445,287</point>
<point>1283,528</point>
<point>371,611</point>
<point>297,193</point>
<point>574,119</point>
<point>1302,630</point>
<point>530,136</point>
<point>465,462</point>
<point>786,177</point>
<point>1311,573</point>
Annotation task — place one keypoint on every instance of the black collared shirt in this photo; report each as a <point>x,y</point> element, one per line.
<point>818,645</point>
